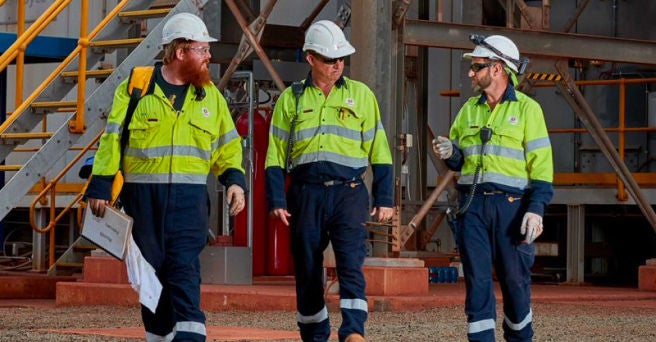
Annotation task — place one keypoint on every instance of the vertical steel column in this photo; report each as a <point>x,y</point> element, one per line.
<point>374,64</point>
<point>575,243</point>
<point>374,60</point>
<point>39,241</point>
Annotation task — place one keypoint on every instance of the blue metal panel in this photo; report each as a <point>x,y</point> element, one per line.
<point>42,48</point>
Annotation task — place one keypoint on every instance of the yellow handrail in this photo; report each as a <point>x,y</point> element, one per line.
<point>21,41</point>
<point>594,178</point>
<point>60,67</point>
<point>51,186</point>
<point>77,125</point>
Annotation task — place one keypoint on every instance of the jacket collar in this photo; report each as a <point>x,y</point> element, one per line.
<point>308,81</point>
<point>508,95</point>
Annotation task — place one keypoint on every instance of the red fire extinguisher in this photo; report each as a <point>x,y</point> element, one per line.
<point>260,143</point>
<point>279,253</point>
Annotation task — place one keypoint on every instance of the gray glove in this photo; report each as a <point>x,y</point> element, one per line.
<point>443,147</point>
<point>531,227</point>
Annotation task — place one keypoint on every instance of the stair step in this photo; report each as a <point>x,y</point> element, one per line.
<point>24,136</point>
<point>107,45</point>
<point>144,14</point>
<point>98,73</point>
<point>54,106</point>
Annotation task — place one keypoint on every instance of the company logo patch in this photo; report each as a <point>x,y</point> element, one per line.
<point>513,120</point>
<point>350,102</point>
<point>206,112</point>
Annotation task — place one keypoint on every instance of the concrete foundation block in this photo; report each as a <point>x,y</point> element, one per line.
<point>105,269</point>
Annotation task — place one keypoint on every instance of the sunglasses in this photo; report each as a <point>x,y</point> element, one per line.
<point>328,61</point>
<point>476,67</point>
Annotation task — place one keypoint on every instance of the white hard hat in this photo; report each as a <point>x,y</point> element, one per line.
<point>506,51</point>
<point>187,26</point>
<point>327,39</point>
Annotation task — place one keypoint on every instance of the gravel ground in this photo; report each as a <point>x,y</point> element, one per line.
<point>602,321</point>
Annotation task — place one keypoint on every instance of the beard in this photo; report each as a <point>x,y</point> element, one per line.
<point>481,83</point>
<point>196,73</point>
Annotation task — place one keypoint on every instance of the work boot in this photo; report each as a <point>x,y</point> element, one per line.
<point>355,337</point>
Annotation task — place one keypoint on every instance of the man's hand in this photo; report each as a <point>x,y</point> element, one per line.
<point>235,199</point>
<point>443,147</point>
<point>97,206</point>
<point>384,213</point>
<point>282,214</point>
<point>531,227</point>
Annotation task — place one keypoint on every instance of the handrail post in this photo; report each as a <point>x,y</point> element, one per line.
<point>20,58</point>
<point>77,125</point>
<point>621,191</point>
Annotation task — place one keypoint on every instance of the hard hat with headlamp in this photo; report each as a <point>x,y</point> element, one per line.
<point>327,39</point>
<point>187,26</point>
<point>499,48</point>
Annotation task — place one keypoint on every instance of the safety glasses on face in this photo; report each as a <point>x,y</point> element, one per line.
<point>328,61</point>
<point>201,50</point>
<point>476,67</point>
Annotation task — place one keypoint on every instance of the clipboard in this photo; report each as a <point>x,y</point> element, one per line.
<point>110,232</point>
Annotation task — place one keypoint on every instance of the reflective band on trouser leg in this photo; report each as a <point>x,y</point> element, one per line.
<point>521,325</point>
<point>316,318</point>
<point>150,337</point>
<point>186,331</point>
<point>479,326</point>
<point>353,304</point>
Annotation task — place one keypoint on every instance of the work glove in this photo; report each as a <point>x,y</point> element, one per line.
<point>443,147</point>
<point>531,227</point>
<point>236,199</point>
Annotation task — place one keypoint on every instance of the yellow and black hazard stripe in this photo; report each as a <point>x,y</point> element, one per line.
<point>543,76</point>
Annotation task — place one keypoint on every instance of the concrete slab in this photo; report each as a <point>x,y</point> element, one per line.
<point>394,262</point>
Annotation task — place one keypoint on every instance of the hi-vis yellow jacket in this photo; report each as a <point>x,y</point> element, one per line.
<point>518,157</point>
<point>168,146</point>
<point>335,138</point>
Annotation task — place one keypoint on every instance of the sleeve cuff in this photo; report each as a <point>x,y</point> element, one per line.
<point>100,187</point>
<point>233,176</point>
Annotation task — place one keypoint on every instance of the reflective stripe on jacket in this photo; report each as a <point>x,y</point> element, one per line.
<point>343,131</point>
<point>518,155</point>
<point>344,128</point>
<point>169,146</point>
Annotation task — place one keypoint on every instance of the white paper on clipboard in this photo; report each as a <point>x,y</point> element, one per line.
<point>110,232</point>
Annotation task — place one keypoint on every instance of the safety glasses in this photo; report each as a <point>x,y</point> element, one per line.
<point>201,50</point>
<point>476,67</point>
<point>328,61</point>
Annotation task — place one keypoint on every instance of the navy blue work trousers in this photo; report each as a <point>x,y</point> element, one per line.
<point>489,236</point>
<point>320,214</point>
<point>170,228</point>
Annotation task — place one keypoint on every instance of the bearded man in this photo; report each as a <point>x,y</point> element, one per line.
<point>180,130</point>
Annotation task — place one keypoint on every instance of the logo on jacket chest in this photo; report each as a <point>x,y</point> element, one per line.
<point>205,112</point>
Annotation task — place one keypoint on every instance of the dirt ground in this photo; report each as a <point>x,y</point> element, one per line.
<point>604,320</point>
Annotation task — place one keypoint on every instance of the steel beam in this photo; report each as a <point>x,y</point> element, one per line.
<point>575,244</point>
<point>533,43</point>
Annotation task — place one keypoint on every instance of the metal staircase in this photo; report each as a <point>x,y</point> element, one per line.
<point>21,125</point>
